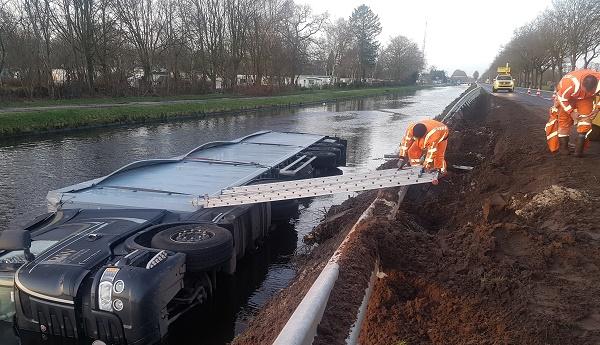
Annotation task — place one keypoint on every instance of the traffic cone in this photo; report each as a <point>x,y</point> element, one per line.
<point>539,92</point>
<point>529,91</point>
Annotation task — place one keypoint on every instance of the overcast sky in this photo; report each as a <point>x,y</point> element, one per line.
<point>463,34</point>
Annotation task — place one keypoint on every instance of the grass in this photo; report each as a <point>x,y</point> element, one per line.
<point>19,123</point>
<point>106,100</point>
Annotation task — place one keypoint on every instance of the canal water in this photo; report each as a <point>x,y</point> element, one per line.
<point>373,127</point>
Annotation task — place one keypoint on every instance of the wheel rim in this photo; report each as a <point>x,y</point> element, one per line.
<point>191,236</point>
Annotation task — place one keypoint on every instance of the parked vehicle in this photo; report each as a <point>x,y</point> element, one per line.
<point>119,258</point>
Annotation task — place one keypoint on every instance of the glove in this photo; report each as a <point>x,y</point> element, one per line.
<point>401,163</point>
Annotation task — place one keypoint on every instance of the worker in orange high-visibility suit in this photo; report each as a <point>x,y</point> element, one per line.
<point>425,144</point>
<point>574,104</point>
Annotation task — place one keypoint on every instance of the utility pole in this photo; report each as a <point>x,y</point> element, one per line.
<point>424,38</point>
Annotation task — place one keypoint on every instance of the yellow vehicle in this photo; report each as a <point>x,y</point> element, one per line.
<point>503,80</point>
<point>595,135</point>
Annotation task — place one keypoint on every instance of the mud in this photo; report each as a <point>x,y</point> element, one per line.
<point>507,254</point>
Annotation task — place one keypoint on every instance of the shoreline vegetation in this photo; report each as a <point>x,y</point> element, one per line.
<point>79,115</point>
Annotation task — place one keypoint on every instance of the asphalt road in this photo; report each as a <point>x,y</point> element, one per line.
<point>544,100</point>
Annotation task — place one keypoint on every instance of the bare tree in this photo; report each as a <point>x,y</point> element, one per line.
<point>143,23</point>
<point>577,18</point>
<point>38,20</point>
<point>75,21</point>
<point>7,31</point>
<point>400,61</point>
<point>299,29</point>
<point>238,21</point>
<point>339,41</point>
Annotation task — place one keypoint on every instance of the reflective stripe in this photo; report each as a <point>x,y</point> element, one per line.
<point>576,83</point>
<point>563,135</point>
<point>433,131</point>
<point>583,123</point>
<point>588,133</point>
<point>432,150</point>
<point>552,135</point>
<point>550,123</point>
<point>429,160</point>
<point>562,99</point>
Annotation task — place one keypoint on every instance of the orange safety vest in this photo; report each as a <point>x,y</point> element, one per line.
<point>571,95</point>
<point>569,89</point>
<point>434,141</point>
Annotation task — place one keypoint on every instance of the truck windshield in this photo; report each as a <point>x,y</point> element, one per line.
<point>504,77</point>
<point>18,257</point>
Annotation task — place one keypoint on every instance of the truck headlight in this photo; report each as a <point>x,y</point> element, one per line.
<point>105,289</point>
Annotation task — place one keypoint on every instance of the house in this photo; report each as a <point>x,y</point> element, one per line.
<point>460,77</point>
<point>59,75</point>
<point>310,81</point>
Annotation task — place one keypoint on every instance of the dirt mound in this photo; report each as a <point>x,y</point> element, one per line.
<point>506,254</point>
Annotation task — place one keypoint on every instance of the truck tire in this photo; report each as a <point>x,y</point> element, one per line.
<point>335,150</point>
<point>336,146</point>
<point>324,159</point>
<point>205,245</point>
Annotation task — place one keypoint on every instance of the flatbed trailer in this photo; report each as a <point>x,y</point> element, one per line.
<point>119,258</point>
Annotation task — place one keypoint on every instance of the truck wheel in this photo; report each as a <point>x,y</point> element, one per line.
<point>325,159</point>
<point>205,245</point>
<point>335,150</point>
<point>340,149</point>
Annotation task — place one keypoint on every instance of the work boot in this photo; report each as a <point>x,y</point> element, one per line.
<point>579,143</point>
<point>563,146</point>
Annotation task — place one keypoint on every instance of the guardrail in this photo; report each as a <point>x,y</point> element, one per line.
<point>462,102</point>
<point>301,328</point>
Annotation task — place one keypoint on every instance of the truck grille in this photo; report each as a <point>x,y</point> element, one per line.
<point>53,318</point>
<point>106,327</point>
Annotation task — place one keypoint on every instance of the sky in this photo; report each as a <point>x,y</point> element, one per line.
<point>461,34</point>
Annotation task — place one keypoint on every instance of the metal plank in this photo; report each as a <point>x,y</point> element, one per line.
<point>303,191</point>
<point>315,182</point>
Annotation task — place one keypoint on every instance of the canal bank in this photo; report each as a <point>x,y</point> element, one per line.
<point>56,118</point>
<point>373,127</point>
<point>504,253</point>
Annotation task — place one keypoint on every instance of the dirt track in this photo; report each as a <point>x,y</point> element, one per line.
<point>505,254</point>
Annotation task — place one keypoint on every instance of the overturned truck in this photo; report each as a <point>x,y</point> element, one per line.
<point>119,258</point>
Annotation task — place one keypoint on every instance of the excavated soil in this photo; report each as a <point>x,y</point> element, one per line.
<point>506,254</point>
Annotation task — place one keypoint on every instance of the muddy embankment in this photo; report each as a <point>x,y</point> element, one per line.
<point>507,253</point>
